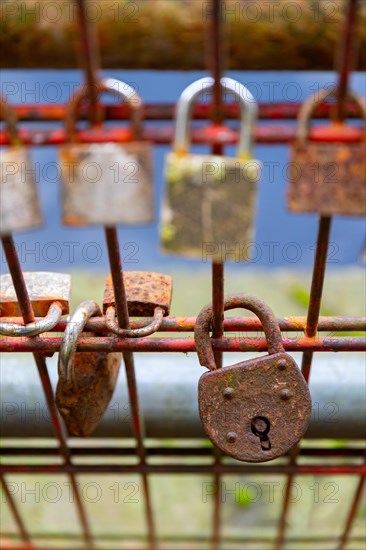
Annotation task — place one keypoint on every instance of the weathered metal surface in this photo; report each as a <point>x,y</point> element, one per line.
<point>44,288</point>
<point>118,190</point>
<point>145,290</point>
<point>327,176</point>
<point>20,208</point>
<point>210,199</point>
<point>107,183</point>
<point>258,409</point>
<point>86,379</point>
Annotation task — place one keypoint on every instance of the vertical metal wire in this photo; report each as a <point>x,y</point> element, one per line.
<point>15,512</point>
<point>215,63</point>
<point>28,317</point>
<point>123,321</point>
<point>345,63</point>
<point>89,58</point>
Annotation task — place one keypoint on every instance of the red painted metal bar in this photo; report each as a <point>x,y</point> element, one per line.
<point>183,345</point>
<point>185,539</point>
<point>166,468</point>
<point>40,112</point>
<point>347,452</point>
<point>243,324</point>
<point>14,510</point>
<point>160,135</point>
<point>28,317</point>
<point>124,322</point>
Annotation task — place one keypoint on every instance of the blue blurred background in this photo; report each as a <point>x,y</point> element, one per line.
<point>281,240</point>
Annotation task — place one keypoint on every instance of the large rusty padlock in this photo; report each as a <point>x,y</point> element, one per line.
<point>87,379</point>
<point>148,294</point>
<point>19,203</point>
<point>258,409</point>
<point>328,177</point>
<point>49,294</point>
<point>107,183</point>
<point>209,199</point>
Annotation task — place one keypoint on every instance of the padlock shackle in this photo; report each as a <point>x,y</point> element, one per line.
<point>105,85</point>
<point>248,109</point>
<point>46,324</point>
<point>308,107</point>
<point>73,330</point>
<point>203,325</point>
<point>8,114</point>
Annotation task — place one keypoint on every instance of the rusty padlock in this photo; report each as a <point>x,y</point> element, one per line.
<point>328,177</point>
<point>19,203</point>
<point>86,379</point>
<point>49,294</point>
<point>148,294</point>
<point>255,410</point>
<point>107,183</point>
<point>210,199</point>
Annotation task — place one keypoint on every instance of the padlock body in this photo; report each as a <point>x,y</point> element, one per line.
<point>230,399</point>
<point>83,402</point>
<point>209,206</point>
<point>19,204</point>
<point>44,288</point>
<point>107,183</point>
<point>145,290</point>
<point>328,178</point>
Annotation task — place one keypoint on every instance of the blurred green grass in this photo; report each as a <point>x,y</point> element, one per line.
<point>286,292</point>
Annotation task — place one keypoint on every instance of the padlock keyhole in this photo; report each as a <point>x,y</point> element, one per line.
<point>260,427</point>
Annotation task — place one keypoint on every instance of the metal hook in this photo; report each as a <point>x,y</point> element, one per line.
<point>34,329</point>
<point>111,85</point>
<point>134,333</point>
<point>309,106</point>
<point>74,328</point>
<point>185,103</point>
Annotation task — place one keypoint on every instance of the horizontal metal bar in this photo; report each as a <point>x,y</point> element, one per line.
<point>183,345</point>
<point>194,537</point>
<point>246,324</point>
<point>227,469</point>
<point>160,135</point>
<point>38,112</point>
<point>164,451</point>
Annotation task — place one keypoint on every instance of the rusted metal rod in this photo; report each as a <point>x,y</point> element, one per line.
<point>160,135</point>
<point>227,469</point>
<point>183,345</point>
<point>243,324</point>
<point>165,451</point>
<point>89,58</point>
<point>44,112</point>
